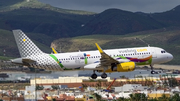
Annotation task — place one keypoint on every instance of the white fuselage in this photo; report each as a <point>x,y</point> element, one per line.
<point>81,60</point>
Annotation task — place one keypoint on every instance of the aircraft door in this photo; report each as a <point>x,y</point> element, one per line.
<point>81,59</point>
<point>154,55</point>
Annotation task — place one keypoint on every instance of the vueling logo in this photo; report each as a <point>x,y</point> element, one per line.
<point>142,50</point>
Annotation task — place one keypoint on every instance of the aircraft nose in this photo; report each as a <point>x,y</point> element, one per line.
<point>170,57</point>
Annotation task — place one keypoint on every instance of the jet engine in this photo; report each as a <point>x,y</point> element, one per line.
<point>123,67</point>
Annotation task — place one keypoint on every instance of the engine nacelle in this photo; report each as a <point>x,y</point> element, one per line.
<point>124,67</point>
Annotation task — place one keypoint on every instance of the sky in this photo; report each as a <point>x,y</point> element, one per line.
<point>146,6</point>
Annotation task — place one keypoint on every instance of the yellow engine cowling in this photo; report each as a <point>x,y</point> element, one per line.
<point>122,67</point>
<point>126,67</point>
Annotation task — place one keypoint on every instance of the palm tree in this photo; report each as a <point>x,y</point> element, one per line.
<point>121,99</point>
<point>143,97</point>
<point>98,84</point>
<point>163,98</point>
<point>153,99</point>
<point>54,99</point>
<point>84,86</point>
<point>97,96</point>
<point>55,87</point>
<point>176,97</point>
<point>105,84</point>
<point>137,96</point>
<point>132,98</point>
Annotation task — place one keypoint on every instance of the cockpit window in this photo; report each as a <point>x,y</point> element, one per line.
<point>163,51</point>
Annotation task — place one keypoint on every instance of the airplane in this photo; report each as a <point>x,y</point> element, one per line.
<point>105,61</point>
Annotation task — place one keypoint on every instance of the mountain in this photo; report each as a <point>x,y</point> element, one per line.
<point>44,23</point>
<point>170,18</point>
<point>48,22</point>
<point>118,22</point>
<point>9,5</point>
<point>35,17</point>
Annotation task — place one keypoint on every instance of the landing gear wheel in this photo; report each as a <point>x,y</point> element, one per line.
<point>94,76</point>
<point>159,71</point>
<point>152,72</point>
<point>104,75</point>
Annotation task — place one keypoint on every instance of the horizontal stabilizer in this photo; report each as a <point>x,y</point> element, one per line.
<point>22,61</point>
<point>30,61</point>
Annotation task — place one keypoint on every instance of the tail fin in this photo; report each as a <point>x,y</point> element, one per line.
<point>25,45</point>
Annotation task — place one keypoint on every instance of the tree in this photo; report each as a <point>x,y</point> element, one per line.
<point>122,99</point>
<point>176,97</point>
<point>163,98</point>
<point>153,99</point>
<point>138,97</point>
<point>97,96</point>
<point>56,87</point>
<point>53,99</point>
<point>132,98</point>
<point>143,97</point>
<point>39,87</point>
<point>84,86</point>
<point>98,84</point>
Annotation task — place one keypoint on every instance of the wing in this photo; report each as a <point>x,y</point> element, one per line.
<point>106,60</point>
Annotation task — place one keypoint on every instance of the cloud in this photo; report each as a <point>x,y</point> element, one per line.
<point>129,5</point>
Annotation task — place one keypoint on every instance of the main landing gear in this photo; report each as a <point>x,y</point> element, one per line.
<point>104,75</point>
<point>153,72</point>
<point>94,75</point>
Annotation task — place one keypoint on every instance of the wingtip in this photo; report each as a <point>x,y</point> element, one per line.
<point>99,48</point>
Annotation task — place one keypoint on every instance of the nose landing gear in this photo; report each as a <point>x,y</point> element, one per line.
<point>154,72</point>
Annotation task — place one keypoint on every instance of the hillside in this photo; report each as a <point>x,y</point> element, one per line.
<point>79,30</point>
<point>170,18</point>
<point>37,17</point>
<point>119,22</point>
<point>169,39</point>
<point>10,5</point>
<point>47,22</point>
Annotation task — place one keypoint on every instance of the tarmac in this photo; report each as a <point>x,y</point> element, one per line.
<point>168,67</point>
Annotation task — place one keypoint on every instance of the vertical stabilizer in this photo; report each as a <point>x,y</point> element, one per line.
<point>25,45</point>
